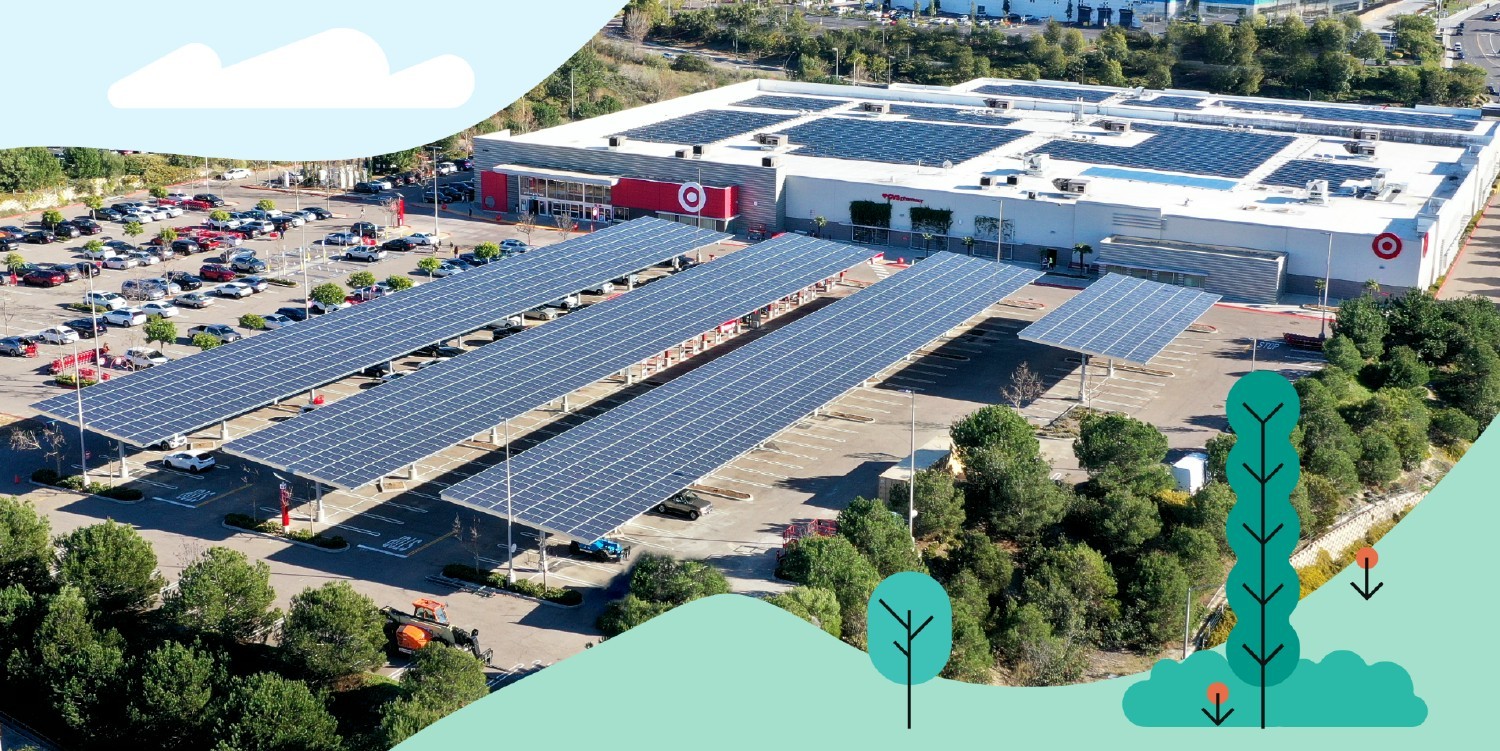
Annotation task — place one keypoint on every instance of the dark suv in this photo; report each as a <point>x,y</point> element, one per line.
<point>210,199</point>
<point>687,504</point>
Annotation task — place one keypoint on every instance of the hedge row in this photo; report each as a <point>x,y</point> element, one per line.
<point>271,527</point>
<point>558,595</point>
<point>48,476</point>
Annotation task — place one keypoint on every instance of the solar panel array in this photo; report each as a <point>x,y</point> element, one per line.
<point>1366,116</point>
<point>895,141</point>
<point>707,126</point>
<point>179,397</point>
<point>779,102</point>
<point>971,116</point>
<point>1121,317</point>
<point>436,407</point>
<point>594,478</point>
<point>1046,92</point>
<point>1171,148</point>
<point>1297,172</point>
<point>1168,101</point>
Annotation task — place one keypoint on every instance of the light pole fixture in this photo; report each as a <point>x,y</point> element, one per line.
<point>510,547</point>
<point>911,482</point>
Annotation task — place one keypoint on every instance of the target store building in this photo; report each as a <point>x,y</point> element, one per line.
<point>1250,198</point>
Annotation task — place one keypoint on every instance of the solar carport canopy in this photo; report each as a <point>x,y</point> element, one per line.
<point>358,440</point>
<point>605,472</point>
<point>1121,317</point>
<point>179,397</point>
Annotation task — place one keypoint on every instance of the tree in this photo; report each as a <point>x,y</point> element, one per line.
<point>29,169</point>
<point>624,614</point>
<point>219,215</point>
<point>399,282</point>
<point>1210,509</point>
<point>111,565</point>
<point>1114,440</point>
<point>1368,46</point>
<point>662,578</point>
<point>1121,521</point>
<point>1217,449</point>
<point>160,330</point>
<point>566,225</point>
<point>637,25</point>
<point>360,279</point>
<point>1197,551</point>
<point>93,203</point>
<point>171,693</point>
<point>1379,463</point>
<point>816,606</point>
<point>224,595</point>
<point>940,504</point>
<point>25,545</point>
<point>46,438</point>
<point>1015,495</point>
<point>833,563</point>
<point>1361,319</point>
<point>265,204</point>
<point>972,657</point>
<point>51,218</point>
<point>133,230</point>
<point>206,342</point>
<point>1324,501</point>
<point>487,251</point>
<point>1152,598</point>
<point>78,670</point>
<point>429,265</point>
<point>1342,353</point>
<point>328,294</point>
<point>880,535</point>
<point>987,562</point>
<point>526,223</point>
<point>268,712</point>
<point>252,322</point>
<point>439,682</point>
<point>1039,656</point>
<point>1473,387</point>
<point>998,427</point>
<point>1450,427</point>
<point>332,631</point>
<point>166,236</point>
<point>1076,588</point>
<point>1025,386</point>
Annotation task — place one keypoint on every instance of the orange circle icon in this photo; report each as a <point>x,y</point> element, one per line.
<point>1218,693</point>
<point>1367,558</point>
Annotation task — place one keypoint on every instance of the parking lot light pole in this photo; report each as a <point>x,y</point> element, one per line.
<point>435,196</point>
<point>83,452</point>
<point>510,548</point>
<point>911,482</point>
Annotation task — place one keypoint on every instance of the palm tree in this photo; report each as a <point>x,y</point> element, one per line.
<point>1082,249</point>
<point>821,222</point>
<point>1372,287</point>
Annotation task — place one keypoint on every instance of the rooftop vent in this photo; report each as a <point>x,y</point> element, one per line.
<point>1360,148</point>
<point>616,142</point>
<point>1115,126</point>
<point>770,161</point>
<point>771,141</point>
<point>999,104</point>
<point>986,181</point>
<point>1036,164</point>
<point>684,153</point>
<point>699,149</point>
<point>1367,134</point>
<point>1071,185</point>
<point>875,108</point>
<point>1317,192</point>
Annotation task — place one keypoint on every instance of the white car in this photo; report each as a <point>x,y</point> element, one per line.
<point>255,283</point>
<point>137,217</point>
<point>446,269</point>
<point>179,197</point>
<point>102,254</point>
<point>341,238</point>
<point>365,253</point>
<point>163,309</point>
<point>276,321</point>
<point>423,238</point>
<point>106,300</point>
<point>225,224</point>
<point>237,290</point>
<point>172,212</point>
<point>606,288</point>
<point>145,259</point>
<point>59,335</point>
<point>189,461</point>
<point>446,168</point>
<point>121,263</point>
<point>235,174</point>
<point>159,213</point>
<point>145,357</point>
<point>125,317</point>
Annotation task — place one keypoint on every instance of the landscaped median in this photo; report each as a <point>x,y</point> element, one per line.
<point>51,478</point>
<point>568,598</point>
<point>304,537</point>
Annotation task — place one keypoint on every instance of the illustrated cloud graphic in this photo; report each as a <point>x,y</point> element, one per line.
<point>352,69</point>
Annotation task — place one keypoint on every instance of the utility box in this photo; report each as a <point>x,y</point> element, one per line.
<point>1190,471</point>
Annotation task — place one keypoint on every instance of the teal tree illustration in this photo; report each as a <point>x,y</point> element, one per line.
<point>910,622</point>
<point>1263,649</point>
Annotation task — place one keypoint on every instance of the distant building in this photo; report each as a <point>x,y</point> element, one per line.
<point>1084,12</point>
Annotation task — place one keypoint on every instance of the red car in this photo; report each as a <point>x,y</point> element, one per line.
<point>44,278</point>
<point>216,272</point>
<point>198,205</point>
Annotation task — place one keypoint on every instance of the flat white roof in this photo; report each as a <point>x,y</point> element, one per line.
<point>1423,160</point>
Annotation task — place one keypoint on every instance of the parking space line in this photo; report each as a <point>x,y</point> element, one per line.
<point>865,407</point>
<point>356,529</point>
<point>804,445</point>
<point>627,538</point>
<point>757,472</point>
<point>768,461</point>
<point>788,453</point>
<point>391,553</point>
<point>877,401</point>
<point>1117,404</point>
<point>430,544</point>
<point>222,496</point>
<point>393,504</point>
<point>743,482</point>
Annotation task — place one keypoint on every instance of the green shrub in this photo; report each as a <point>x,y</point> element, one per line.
<point>336,542</point>
<point>252,321</point>
<point>122,494</point>
<point>559,595</point>
<point>1449,427</point>
<point>45,476</point>
<point>73,482</point>
<point>72,381</point>
<point>281,282</point>
<point>242,521</point>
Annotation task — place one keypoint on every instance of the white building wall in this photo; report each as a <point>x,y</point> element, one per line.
<point>1047,9</point>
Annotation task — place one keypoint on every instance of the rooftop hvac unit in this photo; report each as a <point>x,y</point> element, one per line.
<point>1378,183</point>
<point>1115,126</point>
<point>1071,185</point>
<point>986,181</point>
<point>999,104</point>
<point>1317,192</point>
<point>699,149</point>
<point>1031,195</point>
<point>1012,179</point>
<point>770,161</point>
<point>616,142</point>
<point>1036,164</point>
<point>875,108</point>
<point>1367,134</point>
<point>683,153</point>
<point>772,140</point>
<point>1361,148</point>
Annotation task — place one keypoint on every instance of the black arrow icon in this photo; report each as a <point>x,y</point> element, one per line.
<point>1216,718</point>
<point>1367,593</point>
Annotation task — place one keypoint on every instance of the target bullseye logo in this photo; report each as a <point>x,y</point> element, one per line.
<point>1386,246</point>
<point>692,197</point>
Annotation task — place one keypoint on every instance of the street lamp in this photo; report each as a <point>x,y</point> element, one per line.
<point>911,482</point>
<point>510,548</point>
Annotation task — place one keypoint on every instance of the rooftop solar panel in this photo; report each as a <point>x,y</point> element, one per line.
<point>605,472</point>
<point>971,116</point>
<point>895,141</point>
<point>1067,93</point>
<point>707,126</point>
<point>436,407</point>
<point>795,103</point>
<point>1396,116</point>
<point>1168,101</point>
<point>147,407</point>
<point>1172,148</point>
<point>1121,317</point>
<point>1298,172</point>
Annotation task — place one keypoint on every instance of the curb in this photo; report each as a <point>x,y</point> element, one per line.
<point>288,540</point>
<point>62,489</point>
<point>537,601</point>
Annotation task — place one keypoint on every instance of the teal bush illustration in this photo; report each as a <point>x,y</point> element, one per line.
<point>1262,530</point>
<point>1339,691</point>
<point>910,622</point>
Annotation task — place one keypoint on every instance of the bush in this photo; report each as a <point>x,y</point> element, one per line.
<point>281,282</point>
<point>336,542</point>
<point>122,494</point>
<point>558,595</point>
<point>69,380</point>
<point>252,321</point>
<point>45,476</point>
<point>205,341</point>
<point>691,64</point>
<point>272,527</point>
<point>73,482</point>
<point>1449,427</point>
<point>83,307</point>
<point>242,521</point>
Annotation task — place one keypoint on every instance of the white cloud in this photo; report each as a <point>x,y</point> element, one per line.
<point>337,69</point>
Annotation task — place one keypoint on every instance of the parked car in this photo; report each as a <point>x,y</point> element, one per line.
<point>686,504</point>
<point>319,212</point>
<point>142,289</point>
<point>185,280</point>
<point>199,460</point>
<point>442,351</point>
<point>366,229</point>
<point>39,237</point>
<point>106,300</point>
<point>364,253</point>
<point>223,332</point>
<point>209,198</point>
<point>145,258</point>
<point>126,317</point>
<point>193,300</point>
<point>423,238</point>
<point>512,245</point>
<point>606,288</point>
<point>366,187</point>
<point>68,270</point>
<point>59,335</point>
<point>186,247</point>
<point>145,357</point>
<point>446,268</point>
<point>341,238</point>
<point>101,254</point>
<point>255,283</point>
<point>13,346</point>
<point>215,272</point>
<point>163,309</point>
<point>317,308</point>
<point>43,278</point>
<point>9,243</point>
<point>87,268</point>
<point>276,320</point>
<point>248,265</point>
<point>293,312</point>
<point>399,243</point>
<point>139,217</point>
<point>239,173</point>
<point>88,328</point>
<point>64,231</point>
<point>87,226</point>
<point>234,289</point>
<point>121,263</point>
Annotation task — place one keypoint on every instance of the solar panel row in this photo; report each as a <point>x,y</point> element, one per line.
<point>1168,101</point>
<point>1298,172</point>
<point>1367,116</point>
<point>1121,317</point>
<point>600,475</point>
<point>179,397</point>
<point>1046,92</point>
<point>1172,148</point>
<point>896,141</point>
<point>707,126</point>
<point>795,103</point>
<point>971,116</point>
<point>436,407</point>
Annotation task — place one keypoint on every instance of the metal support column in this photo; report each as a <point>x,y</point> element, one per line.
<point>412,473</point>
<point>223,430</point>
<point>124,468</point>
<point>322,518</point>
<point>495,435</point>
<point>1083,382</point>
